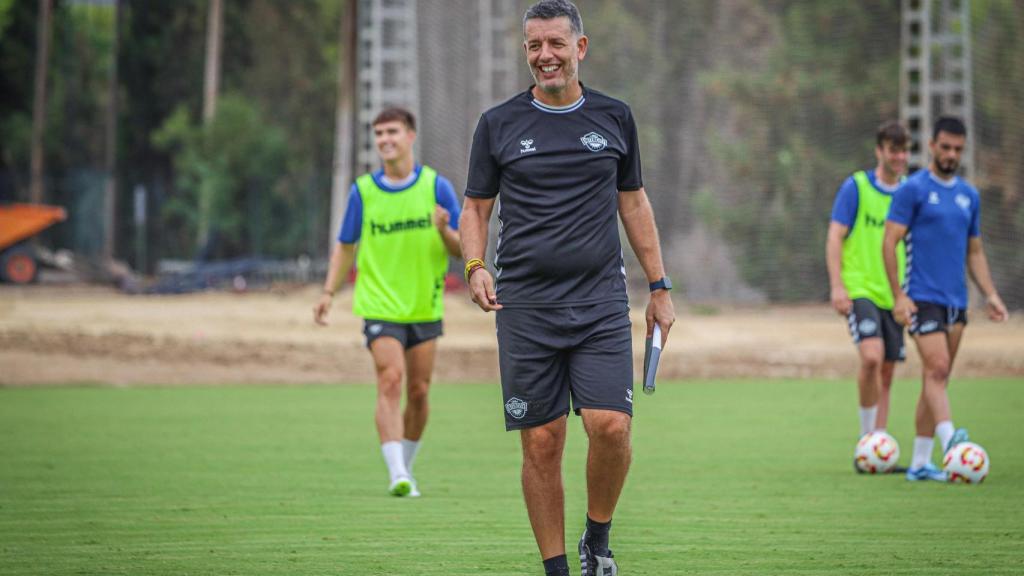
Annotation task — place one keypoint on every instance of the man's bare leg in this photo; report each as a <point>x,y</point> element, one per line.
<point>542,485</point>
<point>420,362</point>
<point>869,381</point>
<point>933,403</point>
<point>389,361</point>
<point>882,417</point>
<point>608,460</point>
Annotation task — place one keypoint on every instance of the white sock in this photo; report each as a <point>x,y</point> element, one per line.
<point>867,419</point>
<point>944,431</point>
<point>922,451</point>
<point>393,458</point>
<point>409,450</point>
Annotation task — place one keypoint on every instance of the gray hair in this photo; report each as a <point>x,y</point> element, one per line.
<point>550,9</point>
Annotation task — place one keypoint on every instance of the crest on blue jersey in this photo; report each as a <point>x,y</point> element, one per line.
<point>594,142</point>
<point>963,202</point>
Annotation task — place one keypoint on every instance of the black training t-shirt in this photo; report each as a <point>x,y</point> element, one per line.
<point>558,172</point>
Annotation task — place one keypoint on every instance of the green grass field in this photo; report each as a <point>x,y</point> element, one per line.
<point>728,478</point>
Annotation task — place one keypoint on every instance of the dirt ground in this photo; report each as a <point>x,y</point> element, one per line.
<point>51,335</point>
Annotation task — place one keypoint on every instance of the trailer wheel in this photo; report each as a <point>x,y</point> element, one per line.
<point>18,266</point>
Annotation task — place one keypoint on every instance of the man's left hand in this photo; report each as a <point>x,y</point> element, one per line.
<point>661,311</point>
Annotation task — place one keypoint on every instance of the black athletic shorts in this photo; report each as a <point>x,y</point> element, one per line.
<point>408,334</point>
<point>867,320</point>
<point>935,318</point>
<point>549,356</point>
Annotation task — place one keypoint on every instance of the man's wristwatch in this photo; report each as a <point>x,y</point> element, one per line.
<point>662,283</point>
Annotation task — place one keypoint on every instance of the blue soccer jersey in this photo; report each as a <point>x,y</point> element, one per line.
<point>940,216</point>
<point>844,209</point>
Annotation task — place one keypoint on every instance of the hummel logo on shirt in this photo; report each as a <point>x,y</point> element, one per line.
<point>401,225</point>
<point>933,197</point>
<point>527,146</point>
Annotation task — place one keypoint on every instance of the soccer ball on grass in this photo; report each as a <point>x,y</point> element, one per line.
<point>876,453</point>
<point>966,462</point>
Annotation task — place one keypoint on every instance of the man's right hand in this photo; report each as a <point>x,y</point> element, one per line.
<point>481,289</point>
<point>903,309</point>
<point>322,307</point>
<point>841,302</point>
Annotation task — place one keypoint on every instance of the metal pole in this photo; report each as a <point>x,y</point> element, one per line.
<point>110,192</point>
<point>39,103</point>
<point>344,149</point>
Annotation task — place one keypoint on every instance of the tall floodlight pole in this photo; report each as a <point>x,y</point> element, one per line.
<point>39,99</point>
<point>211,88</point>
<point>110,160</point>
<point>214,43</point>
<point>344,147</point>
<point>496,54</point>
<point>935,72</point>
<point>388,68</point>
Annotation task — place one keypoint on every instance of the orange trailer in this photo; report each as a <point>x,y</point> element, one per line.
<point>18,223</point>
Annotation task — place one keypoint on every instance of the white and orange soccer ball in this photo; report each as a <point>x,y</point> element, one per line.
<point>966,462</point>
<point>876,453</point>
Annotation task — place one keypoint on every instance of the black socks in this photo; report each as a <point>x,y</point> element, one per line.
<point>597,540</point>
<point>597,536</point>
<point>557,566</point>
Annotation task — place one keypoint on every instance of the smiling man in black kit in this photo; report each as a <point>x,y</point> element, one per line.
<point>566,163</point>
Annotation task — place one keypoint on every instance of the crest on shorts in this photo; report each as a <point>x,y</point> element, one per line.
<point>516,408</point>
<point>375,329</point>
<point>867,326</point>
<point>594,141</point>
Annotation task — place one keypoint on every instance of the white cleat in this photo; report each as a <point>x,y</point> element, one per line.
<point>402,486</point>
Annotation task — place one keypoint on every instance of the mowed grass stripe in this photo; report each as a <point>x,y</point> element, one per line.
<point>728,478</point>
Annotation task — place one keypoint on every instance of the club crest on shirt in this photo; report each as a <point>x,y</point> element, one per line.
<point>594,142</point>
<point>516,408</point>
<point>963,202</point>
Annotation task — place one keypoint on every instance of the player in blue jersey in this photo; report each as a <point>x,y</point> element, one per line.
<point>404,218</point>
<point>859,287</point>
<point>937,213</point>
<point>565,162</point>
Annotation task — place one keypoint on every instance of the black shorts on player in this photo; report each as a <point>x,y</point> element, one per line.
<point>932,317</point>
<point>549,356</point>
<point>866,320</point>
<point>408,335</point>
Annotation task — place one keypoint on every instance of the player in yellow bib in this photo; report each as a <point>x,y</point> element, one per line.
<point>860,288</point>
<point>404,219</point>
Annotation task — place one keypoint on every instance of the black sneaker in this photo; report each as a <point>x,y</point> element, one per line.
<point>594,565</point>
